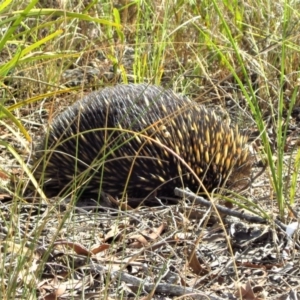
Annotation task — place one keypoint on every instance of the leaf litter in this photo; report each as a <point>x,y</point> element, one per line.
<point>62,252</point>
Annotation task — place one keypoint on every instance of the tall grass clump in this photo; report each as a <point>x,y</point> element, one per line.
<point>36,44</point>
<point>284,42</point>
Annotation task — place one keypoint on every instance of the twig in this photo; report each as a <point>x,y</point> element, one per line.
<point>224,210</point>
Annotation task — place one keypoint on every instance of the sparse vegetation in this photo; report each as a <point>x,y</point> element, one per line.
<point>242,56</point>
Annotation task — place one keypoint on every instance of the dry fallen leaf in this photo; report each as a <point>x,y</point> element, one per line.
<point>100,248</point>
<point>195,265</point>
<point>114,233</point>
<point>78,248</point>
<point>157,232</point>
<point>245,292</point>
<point>142,240</point>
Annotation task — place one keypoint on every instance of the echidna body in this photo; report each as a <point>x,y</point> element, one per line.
<point>136,140</point>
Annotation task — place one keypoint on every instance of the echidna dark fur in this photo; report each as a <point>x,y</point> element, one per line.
<point>127,140</point>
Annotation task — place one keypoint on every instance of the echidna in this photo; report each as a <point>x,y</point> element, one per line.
<point>138,140</point>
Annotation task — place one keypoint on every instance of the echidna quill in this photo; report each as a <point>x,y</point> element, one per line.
<point>139,140</point>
